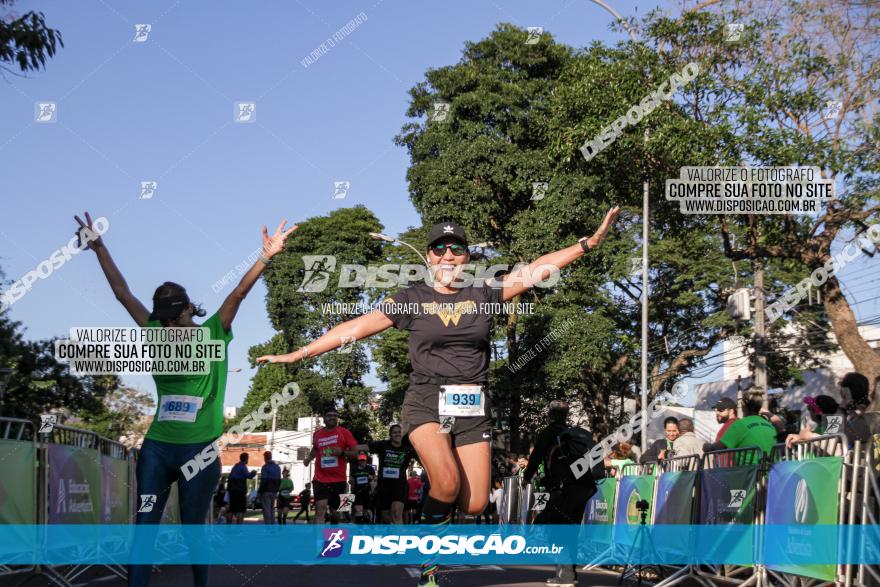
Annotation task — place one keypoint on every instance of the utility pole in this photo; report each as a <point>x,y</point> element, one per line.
<point>759,339</point>
<point>272,437</point>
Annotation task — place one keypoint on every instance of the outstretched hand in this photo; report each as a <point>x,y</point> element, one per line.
<point>272,245</point>
<point>87,234</point>
<point>600,234</point>
<point>274,359</point>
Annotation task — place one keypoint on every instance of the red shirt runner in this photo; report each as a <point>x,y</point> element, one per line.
<point>330,468</point>
<point>415,489</point>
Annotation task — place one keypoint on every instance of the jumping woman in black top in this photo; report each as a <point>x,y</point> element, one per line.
<point>449,323</point>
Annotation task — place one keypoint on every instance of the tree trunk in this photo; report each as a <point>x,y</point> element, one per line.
<point>865,359</point>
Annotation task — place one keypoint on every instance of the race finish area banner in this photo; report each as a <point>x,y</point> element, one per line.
<point>18,490</point>
<point>404,545</point>
<point>802,495</point>
<point>74,485</point>
<point>600,507</point>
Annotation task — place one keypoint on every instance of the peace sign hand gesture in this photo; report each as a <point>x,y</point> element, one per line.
<point>272,245</point>
<point>87,234</point>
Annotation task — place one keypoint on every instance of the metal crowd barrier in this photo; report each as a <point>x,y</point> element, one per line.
<point>17,435</point>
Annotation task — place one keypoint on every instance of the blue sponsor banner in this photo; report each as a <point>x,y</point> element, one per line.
<point>408,545</point>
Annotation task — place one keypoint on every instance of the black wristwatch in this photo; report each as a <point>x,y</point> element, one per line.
<point>584,245</point>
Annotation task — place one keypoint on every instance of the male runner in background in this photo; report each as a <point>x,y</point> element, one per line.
<point>414,497</point>
<point>360,476</point>
<point>331,446</point>
<point>305,503</point>
<point>394,458</point>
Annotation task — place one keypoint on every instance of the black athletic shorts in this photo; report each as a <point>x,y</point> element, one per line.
<point>391,490</point>
<point>420,405</point>
<point>284,502</point>
<point>329,492</point>
<point>237,502</point>
<point>362,496</point>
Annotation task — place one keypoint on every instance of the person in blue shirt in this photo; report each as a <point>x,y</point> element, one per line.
<point>270,483</point>
<point>237,487</point>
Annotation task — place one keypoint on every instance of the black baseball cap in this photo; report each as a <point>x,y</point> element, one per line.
<point>447,230</point>
<point>170,307</point>
<point>725,403</point>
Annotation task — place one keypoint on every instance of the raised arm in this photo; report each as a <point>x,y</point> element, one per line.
<point>525,278</point>
<point>271,247</point>
<point>86,233</point>
<point>356,329</point>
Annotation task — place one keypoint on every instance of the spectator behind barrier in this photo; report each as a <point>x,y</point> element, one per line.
<point>854,393</point>
<point>661,446</point>
<point>751,430</point>
<point>687,444</point>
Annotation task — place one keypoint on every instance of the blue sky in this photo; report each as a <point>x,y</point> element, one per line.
<point>162,110</point>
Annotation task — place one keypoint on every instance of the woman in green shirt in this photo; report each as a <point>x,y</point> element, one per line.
<point>285,496</point>
<point>189,411</point>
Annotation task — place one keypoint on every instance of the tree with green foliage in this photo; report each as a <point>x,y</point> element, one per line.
<point>25,40</point>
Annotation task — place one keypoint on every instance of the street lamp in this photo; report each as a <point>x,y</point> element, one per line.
<point>390,239</point>
<point>5,376</point>
<point>644,381</point>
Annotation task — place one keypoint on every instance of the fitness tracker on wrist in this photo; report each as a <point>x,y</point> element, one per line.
<point>584,244</point>
<point>265,260</point>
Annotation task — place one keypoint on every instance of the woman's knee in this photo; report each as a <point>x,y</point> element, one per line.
<point>445,484</point>
<point>475,505</point>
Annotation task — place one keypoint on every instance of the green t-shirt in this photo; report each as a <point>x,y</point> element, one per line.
<point>175,425</point>
<point>286,487</point>
<point>750,431</point>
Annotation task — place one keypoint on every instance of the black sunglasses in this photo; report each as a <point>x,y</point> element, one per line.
<point>439,249</point>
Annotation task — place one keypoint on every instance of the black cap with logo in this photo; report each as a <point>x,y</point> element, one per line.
<point>169,307</point>
<point>447,230</point>
<point>725,403</point>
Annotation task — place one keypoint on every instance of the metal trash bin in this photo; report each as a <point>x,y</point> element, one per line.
<point>510,501</point>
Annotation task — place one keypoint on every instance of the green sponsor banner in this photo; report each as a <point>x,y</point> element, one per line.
<point>18,482</point>
<point>801,494</point>
<point>600,508</point>
<point>74,485</point>
<point>114,491</point>
<point>727,495</point>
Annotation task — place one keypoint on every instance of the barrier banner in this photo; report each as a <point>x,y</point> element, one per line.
<point>633,489</point>
<point>17,483</point>
<point>801,494</point>
<point>74,485</point>
<point>114,491</point>
<point>600,507</point>
<point>675,497</point>
<point>727,495</point>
